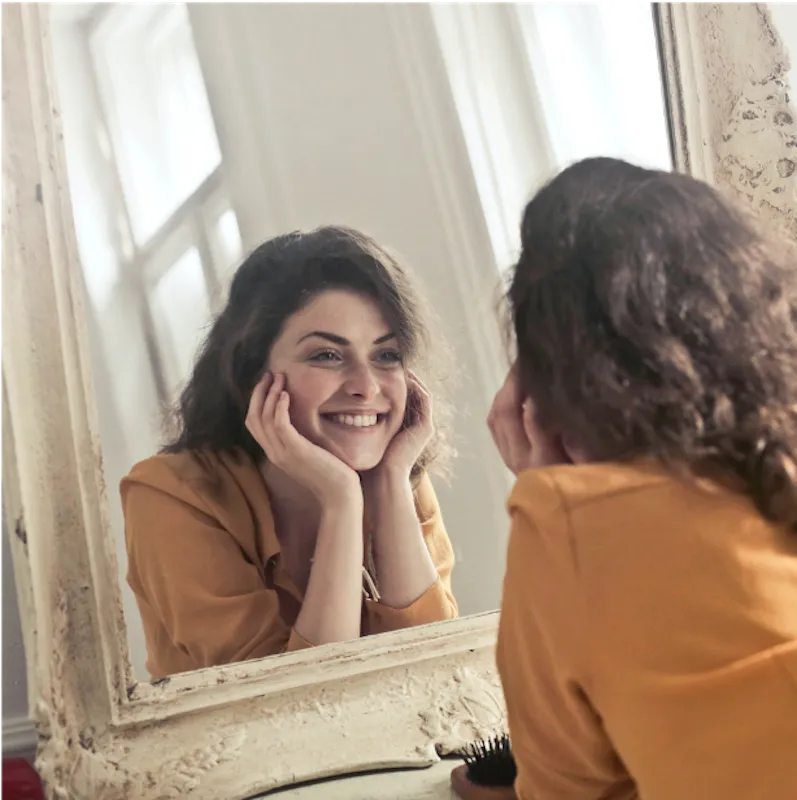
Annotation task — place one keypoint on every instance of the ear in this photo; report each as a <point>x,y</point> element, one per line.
<point>546,448</point>
<point>574,452</point>
<point>531,430</point>
<point>535,433</point>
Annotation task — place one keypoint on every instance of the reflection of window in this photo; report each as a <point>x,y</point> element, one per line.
<point>157,109</point>
<point>180,310</point>
<point>178,236</point>
<point>597,71</point>
<point>540,85</point>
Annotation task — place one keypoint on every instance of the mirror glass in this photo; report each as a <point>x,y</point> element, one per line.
<point>194,133</point>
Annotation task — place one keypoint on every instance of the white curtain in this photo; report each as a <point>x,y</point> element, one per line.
<point>541,85</point>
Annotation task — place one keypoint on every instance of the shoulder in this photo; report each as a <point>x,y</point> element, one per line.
<point>196,477</point>
<point>641,525</point>
<point>641,509</point>
<point>174,473</point>
<point>568,488</point>
<point>176,492</point>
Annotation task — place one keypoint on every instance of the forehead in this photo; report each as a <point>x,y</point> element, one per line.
<point>348,314</point>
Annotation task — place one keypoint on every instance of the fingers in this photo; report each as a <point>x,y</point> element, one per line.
<point>413,378</point>
<point>254,413</point>
<point>505,422</point>
<point>417,390</point>
<point>281,426</point>
<point>269,403</point>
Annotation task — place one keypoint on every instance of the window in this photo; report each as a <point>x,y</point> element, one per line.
<point>178,237</point>
<point>540,85</point>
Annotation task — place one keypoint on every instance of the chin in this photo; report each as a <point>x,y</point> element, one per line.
<point>361,463</point>
<point>360,456</point>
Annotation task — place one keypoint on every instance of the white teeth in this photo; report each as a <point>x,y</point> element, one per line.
<point>358,421</point>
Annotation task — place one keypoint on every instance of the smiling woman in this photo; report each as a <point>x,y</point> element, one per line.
<point>348,393</point>
<point>292,507</point>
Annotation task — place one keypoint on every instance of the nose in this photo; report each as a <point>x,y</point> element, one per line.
<point>361,383</point>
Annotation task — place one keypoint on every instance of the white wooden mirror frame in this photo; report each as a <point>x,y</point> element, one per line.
<point>396,700</point>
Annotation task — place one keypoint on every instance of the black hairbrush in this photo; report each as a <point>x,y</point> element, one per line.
<point>490,762</point>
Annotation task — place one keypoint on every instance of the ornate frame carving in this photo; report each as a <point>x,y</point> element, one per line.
<point>395,700</point>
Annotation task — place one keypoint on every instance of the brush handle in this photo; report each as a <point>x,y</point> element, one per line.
<point>467,790</point>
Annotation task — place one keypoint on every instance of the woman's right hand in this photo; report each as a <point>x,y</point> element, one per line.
<point>268,420</point>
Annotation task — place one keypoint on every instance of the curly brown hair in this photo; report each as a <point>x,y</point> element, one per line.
<point>276,280</point>
<point>655,318</point>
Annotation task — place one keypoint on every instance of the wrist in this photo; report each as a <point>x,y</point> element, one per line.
<point>386,475</point>
<point>344,494</point>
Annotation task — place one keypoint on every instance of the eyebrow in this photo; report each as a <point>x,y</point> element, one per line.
<point>340,340</point>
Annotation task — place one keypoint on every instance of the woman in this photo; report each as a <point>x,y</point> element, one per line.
<point>648,634</point>
<point>297,483</point>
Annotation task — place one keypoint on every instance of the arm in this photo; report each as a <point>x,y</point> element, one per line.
<point>404,566</point>
<point>412,553</point>
<point>331,611</point>
<point>559,743</point>
<point>436,602</point>
<point>332,608</point>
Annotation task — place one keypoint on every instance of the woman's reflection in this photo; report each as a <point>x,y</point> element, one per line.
<point>293,506</point>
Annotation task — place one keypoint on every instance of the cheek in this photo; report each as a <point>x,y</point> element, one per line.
<point>309,389</point>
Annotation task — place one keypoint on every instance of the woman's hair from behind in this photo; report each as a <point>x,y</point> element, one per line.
<point>277,279</point>
<point>653,318</point>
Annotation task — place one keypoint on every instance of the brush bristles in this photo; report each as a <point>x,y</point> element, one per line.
<point>490,762</point>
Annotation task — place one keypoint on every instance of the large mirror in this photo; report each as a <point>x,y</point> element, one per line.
<point>176,140</point>
<point>193,134</point>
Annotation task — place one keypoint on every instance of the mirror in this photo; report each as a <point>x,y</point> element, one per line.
<point>196,132</point>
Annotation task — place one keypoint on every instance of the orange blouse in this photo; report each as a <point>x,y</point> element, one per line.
<point>204,564</point>
<point>648,639</point>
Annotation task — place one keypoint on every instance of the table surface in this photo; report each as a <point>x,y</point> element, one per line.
<point>430,783</point>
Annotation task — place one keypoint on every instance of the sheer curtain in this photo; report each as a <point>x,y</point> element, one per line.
<point>541,85</point>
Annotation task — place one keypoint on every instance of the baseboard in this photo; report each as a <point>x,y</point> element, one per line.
<point>19,737</point>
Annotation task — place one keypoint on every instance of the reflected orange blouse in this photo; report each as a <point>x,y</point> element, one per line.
<point>648,639</point>
<point>204,564</point>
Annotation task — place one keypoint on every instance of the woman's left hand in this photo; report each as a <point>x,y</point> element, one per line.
<point>521,441</point>
<point>408,444</point>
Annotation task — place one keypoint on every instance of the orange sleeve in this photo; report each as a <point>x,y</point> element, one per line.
<point>437,603</point>
<point>561,749</point>
<point>191,575</point>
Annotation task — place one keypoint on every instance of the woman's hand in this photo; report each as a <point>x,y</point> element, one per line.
<point>408,444</point>
<point>516,432</point>
<point>268,420</point>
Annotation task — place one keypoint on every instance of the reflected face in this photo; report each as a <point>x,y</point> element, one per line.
<point>345,376</point>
